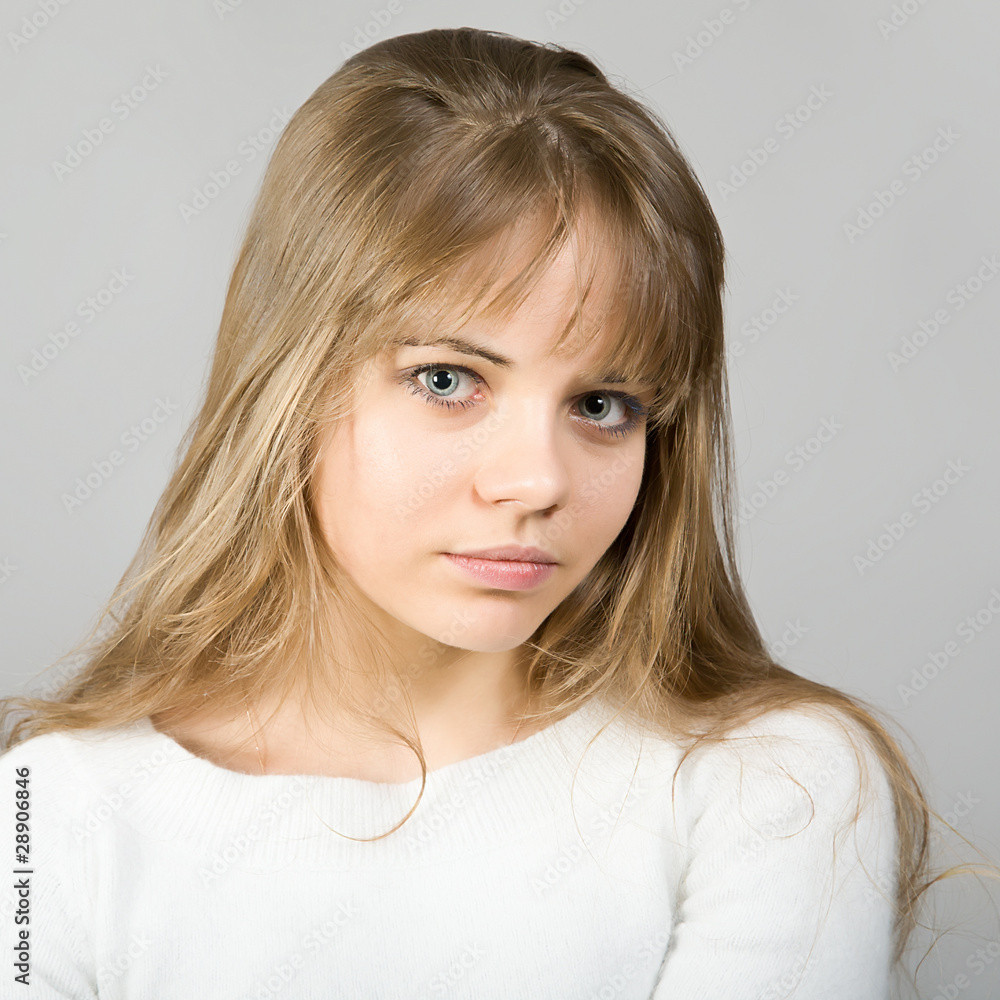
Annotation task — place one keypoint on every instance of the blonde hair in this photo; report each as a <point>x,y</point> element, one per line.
<point>393,195</point>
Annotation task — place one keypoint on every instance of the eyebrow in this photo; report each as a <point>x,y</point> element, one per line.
<point>463,346</point>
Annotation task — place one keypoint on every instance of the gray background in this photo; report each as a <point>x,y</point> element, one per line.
<point>222,72</point>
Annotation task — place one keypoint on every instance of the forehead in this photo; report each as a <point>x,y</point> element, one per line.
<point>572,299</point>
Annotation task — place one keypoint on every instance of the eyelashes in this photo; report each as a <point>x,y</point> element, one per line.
<point>635,411</point>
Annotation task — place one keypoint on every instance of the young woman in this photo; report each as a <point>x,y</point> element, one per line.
<point>434,673</point>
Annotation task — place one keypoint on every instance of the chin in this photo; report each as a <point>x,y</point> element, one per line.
<point>488,644</point>
<point>480,637</point>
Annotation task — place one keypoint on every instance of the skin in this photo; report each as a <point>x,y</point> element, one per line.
<point>538,455</point>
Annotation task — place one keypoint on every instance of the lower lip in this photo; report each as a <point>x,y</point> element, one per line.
<point>504,573</point>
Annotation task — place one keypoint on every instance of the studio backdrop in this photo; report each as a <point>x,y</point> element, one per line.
<point>850,152</point>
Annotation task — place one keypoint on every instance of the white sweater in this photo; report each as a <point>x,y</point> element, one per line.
<point>155,874</point>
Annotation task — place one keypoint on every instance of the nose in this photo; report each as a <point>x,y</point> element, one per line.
<point>524,458</point>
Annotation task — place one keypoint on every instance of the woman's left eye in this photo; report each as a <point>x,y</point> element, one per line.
<point>441,388</point>
<point>596,405</point>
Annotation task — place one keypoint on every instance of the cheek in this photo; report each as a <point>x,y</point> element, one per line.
<point>607,495</point>
<point>407,470</point>
<point>378,479</point>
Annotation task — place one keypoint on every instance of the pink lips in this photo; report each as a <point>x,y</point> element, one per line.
<point>510,567</point>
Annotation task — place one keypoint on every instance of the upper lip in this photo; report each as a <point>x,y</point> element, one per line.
<point>511,553</point>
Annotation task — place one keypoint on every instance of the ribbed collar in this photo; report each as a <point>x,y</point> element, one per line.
<point>266,821</point>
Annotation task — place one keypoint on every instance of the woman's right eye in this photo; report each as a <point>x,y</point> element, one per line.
<point>442,386</point>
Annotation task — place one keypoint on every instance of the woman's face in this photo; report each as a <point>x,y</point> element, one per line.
<point>450,451</point>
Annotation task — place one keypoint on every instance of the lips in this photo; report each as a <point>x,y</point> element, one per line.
<point>503,574</point>
<point>510,553</point>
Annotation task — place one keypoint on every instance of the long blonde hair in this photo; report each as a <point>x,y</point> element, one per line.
<point>391,196</point>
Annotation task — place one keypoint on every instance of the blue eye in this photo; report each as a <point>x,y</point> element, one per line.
<point>443,383</point>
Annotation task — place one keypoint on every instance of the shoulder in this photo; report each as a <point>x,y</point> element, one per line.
<point>52,769</point>
<point>53,759</point>
<point>790,871</point>
<point>799,737</point>
<point>53,784</point>
<point>69,771</point>
<point>45,795</point>
<point>790,766</point>
<point>66,752</point>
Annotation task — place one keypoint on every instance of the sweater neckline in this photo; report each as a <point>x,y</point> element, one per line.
<point>528,746</point>
<point>490,798</point>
